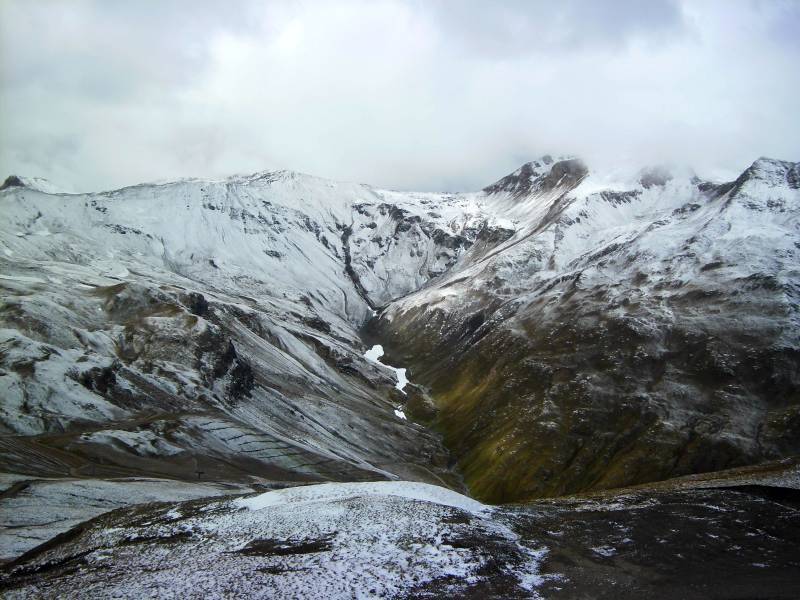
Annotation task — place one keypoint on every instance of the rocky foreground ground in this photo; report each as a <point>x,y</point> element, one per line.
<point>734,535</point>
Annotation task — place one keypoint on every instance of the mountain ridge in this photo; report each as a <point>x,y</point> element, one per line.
<point>186,365</point>
<point>539,163</point>
<point>157,315</point>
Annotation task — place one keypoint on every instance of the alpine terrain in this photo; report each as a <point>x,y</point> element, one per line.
<point>594,388</point>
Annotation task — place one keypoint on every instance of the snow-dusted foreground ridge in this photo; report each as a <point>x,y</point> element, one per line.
<point>691,539</point>
<point>334,540</point>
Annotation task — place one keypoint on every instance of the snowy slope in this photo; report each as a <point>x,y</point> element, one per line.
<point>35,511</point>
<point>574,330</point>
<point>413,540</point>
<point>325,541</point>
<point>182,329</point>
<point>630,328</point>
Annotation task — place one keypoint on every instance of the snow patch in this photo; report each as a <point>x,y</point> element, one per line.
<point>327,492</point>
<point>402,380</point>
<point>374,354</point>
<point>606,551</point>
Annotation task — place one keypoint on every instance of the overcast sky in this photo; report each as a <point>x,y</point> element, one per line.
<point>413,94</point>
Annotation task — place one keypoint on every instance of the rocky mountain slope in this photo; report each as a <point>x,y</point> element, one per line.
<point>208,331</point>
<point>622,333</point>
<point>563,330</point>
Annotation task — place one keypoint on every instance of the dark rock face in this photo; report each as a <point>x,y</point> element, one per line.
<point>540,176</point>
<point>197,304</point>
<point>11,181</point>
<point>98,379</point>
<point>517,183</point>
<point>565,173</point>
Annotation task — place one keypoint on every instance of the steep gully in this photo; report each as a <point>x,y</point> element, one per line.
<point>347,231</point>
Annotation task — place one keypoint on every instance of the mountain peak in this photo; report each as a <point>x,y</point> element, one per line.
<point>655,176</point>
<point>12,181</point>
<point>39,184</point>
<point>767,162</point>
<point>772,172</point>
<point>542,174</point>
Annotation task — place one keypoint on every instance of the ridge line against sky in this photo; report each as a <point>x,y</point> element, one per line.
<point>406,95</point>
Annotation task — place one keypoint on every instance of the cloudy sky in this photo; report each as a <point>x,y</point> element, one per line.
<point>407,94</point>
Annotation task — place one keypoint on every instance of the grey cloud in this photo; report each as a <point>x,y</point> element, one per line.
<point>404,94</point>
<point>514,27</point>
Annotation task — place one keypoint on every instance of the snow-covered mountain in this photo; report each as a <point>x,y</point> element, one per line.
<point>563,329</point>
<point>625,331</point>
<point>208,330</point>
